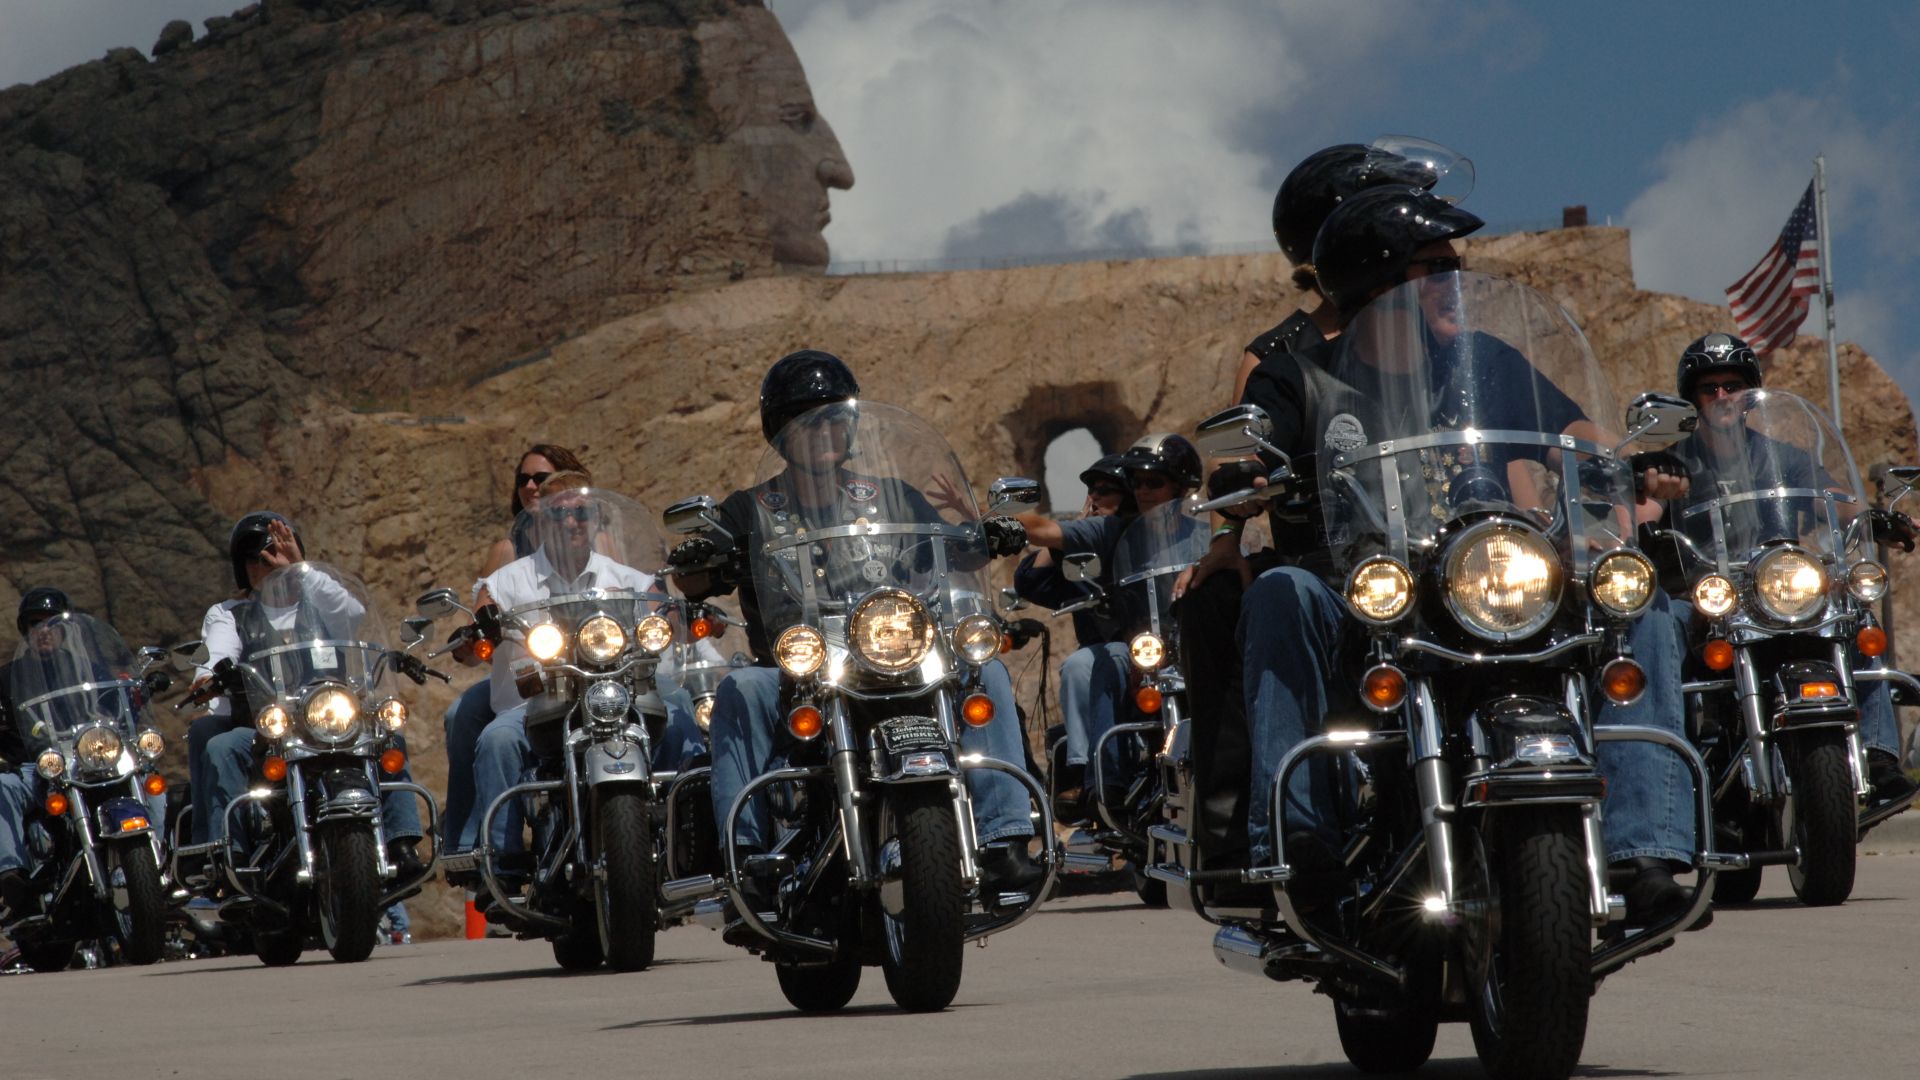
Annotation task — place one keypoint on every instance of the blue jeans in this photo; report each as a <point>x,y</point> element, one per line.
<point>1878,728</point>
<point>1112,673</point>
<point>465,719</point>
<point>1089,694</point>
<point>1649,809</point>
<point>746,719</point>
<point>503,757</point>
<point>220,770</point>
<point>19,791</point>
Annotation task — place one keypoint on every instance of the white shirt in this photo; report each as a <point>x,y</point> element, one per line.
<point>532,579</point>
<point>221,633</point>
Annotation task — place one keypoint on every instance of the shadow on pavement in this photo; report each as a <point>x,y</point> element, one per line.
<point>1437,1069</point>
<point>554,972</point>
<point>879,1009</point>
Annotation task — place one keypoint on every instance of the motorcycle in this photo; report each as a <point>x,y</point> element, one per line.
<point>1153,550</point>
<point>880,622</point>
<point>304,853</point>
<point>587,659</point>
<point>96,852</point>
<point>1779,560</point>
<point>1482,529</point>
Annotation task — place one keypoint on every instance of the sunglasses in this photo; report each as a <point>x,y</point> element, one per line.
<point>580,514</point>
<point>521,480</point>
<point>1151,481</point>
<point>1439,264</point>
<point>1106,491</point>
<point>1715,389</point>
<point>259,558</point>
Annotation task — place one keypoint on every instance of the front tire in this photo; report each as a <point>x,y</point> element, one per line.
<point>1528,967</point>
<point>1820,817</point>
<point>348,897</point>
<point>1151,890</point>
<point>48,956</point>
<point>823,988</point>
<point>626,903</point>
<point>1396,1038</point>
<point>141,926</point>
<point>925,942</point>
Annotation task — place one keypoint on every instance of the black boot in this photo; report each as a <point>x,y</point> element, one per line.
<point>1006,867</point>
<point>1890,782</point>
<point>1653,896</point>
<point>16,893</point>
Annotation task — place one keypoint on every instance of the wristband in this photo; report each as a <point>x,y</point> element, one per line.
<point>1226,530</point>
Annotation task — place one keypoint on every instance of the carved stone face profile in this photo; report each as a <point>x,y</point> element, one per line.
<point>790,158</point>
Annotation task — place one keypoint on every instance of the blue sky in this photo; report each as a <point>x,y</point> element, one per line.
<point>1027,126</point>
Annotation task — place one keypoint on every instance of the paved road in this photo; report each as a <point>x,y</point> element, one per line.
<point>1094,987</point>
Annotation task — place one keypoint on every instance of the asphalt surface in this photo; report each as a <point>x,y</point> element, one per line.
<point>1094,986</point>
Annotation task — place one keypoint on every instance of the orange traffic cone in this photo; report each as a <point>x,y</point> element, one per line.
<point>476,922</point>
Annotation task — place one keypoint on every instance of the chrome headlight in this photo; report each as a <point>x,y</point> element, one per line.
<point>1789,584</point>
<point>392,713</point>
<point>272,722</point>
<point>977,639</point>
<point>891,631</point>
<point>151,744</point>
<point>1715,596</point>
<point>654,634</point>
<point>1502,581</point>
<point>703,712</point>
<point>800,651</point>
<point>545,641</point>
<point>51,764</point>
<point>1622,583</point>
<point>97,748</point>
<point>1867,581</point>
<point>601,640</point>
<point>333,716</point>
<point>607,701</point>
<point>1147,650</point>
<point>1379,590</point>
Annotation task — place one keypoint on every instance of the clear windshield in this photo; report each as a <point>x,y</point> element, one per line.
<point>69,672</point>
<point>855,497</point>
<point>309,622</point>
<point>1458,395</point>
<point>1766,466</point>
<point>593,552</point>
<point>1152,551</point>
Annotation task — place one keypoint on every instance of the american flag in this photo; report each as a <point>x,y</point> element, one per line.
<point>1770,302</point>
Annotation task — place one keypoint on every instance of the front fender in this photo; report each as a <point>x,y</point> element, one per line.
<point>616,760</point>
<point>1810,692</point>
<point>122,817</point>
<point>1535,750</point>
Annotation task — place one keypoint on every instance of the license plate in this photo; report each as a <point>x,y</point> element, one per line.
<point>903,733</point>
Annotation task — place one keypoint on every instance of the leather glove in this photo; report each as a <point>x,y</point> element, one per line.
<point>488,620</point>
<point>1893,527</point>
<point>1232,476</point>
<point>1005,536</point>
<point>1657,461</point>
<point>693,551</point>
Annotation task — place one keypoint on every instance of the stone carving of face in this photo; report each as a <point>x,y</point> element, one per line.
<point>790,158</point>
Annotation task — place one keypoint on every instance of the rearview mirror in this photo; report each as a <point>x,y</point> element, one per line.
<point>195,650</point>
<point>1080,566</point>
<point>414,628</point>
<point>1011,600</point>
<point>1658,421</point>
<point>1236,432</point>
<point>438,604</point>
<point>1013,489</point>
<point>151,655</point>
<point>698,514</point>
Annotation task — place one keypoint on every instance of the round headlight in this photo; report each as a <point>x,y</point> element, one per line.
<point>51,764</point>
<point>1714,595</point>
<point>703,712</point>
<point>1623,583</point>
<point>1147,650</point>
<point>392,713</point>
<point>545,641</point>
<point>601,640</point>
<point>1502,581</point>
<point>1867,581</point>
<point>607,701</point>
<point>1789,584</point>
<point>891,631</point>
<point>1379,590</point>
<point>332,715</point>
<point>97,748</point>
<point>977,639</point>
<point>152,745</point>
<point>272,722</point>
<point>654,634</point>
<point>800,651</point>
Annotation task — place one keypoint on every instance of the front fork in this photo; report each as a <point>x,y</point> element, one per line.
<point>1767,785</point>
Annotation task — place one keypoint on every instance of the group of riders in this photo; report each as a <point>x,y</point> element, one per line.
<point>1270,644</point>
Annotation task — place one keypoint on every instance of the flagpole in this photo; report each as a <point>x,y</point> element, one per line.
<point>1826,284</point>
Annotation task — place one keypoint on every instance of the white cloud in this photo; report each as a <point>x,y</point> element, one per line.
<point>41,37</point>
<point>1115,114</point>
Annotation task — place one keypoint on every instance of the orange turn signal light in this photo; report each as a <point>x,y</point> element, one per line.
<point>1148,700</point>
<point>1872,641</point>
<point>1384,687</point>
<point>805,722</point>
<point>392,760</point>
<point>133,823</point>
<point>155,784</point>
<point>1718,655</point>
<point>1006,643</point>
<point>977,710</point>
<point>483,649</point>
<point>274,768</point>
<point>1819,690</point>
<point>701,628</point>
<point>56,804</point>
<point>1622,681</point>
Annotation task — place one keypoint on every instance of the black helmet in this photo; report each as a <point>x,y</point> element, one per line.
<point>1323,179</point>
<point>800,381</point>
<point>1712,352</point>
<point>1113,469</point>
<point>1167,454</point>
<point>1367,240</point>
<point>41,600</point>
<point>249,538</point>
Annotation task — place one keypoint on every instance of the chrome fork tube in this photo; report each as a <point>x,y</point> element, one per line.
<point>1856,750</point>
<point>1746,687</point>
<point>297,810</point>
<point>77,816</point>
<point>962,804</point>
<point>846,783</point>
<point>1435,783</point>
